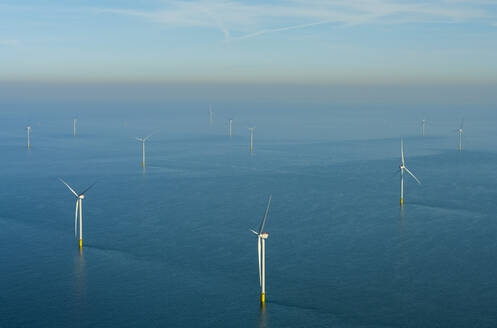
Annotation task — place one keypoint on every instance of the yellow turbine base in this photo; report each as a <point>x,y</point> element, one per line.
<point>143,164</point>
<point>263,298</point>
<point>81,243</point>
<point>401,201</point>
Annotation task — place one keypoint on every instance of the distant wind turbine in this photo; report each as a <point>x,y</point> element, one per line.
<point>74,126</point>
<point>79,205</point>
<point>423,128</point>
<point>459,132</point>
<point>211,115</point>
<point>142,140</point>
<point>251,139</point>
<point>29,135</point>
<point>261,252</point>
<point>402,168</point>
<point>230,126</point>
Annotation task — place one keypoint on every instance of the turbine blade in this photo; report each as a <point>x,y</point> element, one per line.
<point>417,180</point>
<point>462,123</point>
<point>68,186</point>
<point>265,215</point>
<point>402,150</point>
<point>255,232</point>
<point>94,183</point>
<point>76,219</point>
<point>139,139</point>
<point>145,139</point>
<point>259,255</point>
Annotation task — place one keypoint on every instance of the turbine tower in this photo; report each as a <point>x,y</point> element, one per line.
<point>79,205</point>
<point>251,139</point>
<point>29,135</point>
<point>142,140</point>
<point>402,168</point>
<point>230,125</point>
<point>459,132</point>
<point>74,126</point>
<point>423,128</point>
<point>261,252</point>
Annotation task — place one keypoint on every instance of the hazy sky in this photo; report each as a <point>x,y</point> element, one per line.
<point>296,41</point>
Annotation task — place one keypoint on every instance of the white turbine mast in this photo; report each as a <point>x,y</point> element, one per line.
<point>402,168</point>
<point>143,140</point>
<point>261,253</point>
<point>459,132</point>
<point>28,128</point>
<point>79,206</point>
<point>251,139</point>
<point>211,115</point>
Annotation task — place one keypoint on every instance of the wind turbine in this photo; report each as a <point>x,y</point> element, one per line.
<point>230,125</point>
<point>143,147</point>
<point>402,168</point>
<point>251,139</point>
<point>459,132</point>
<point>74,126</point>
<point>29,135</point>
<point>261,252</point>
<point>423,128</point>
<point>79,204</point>
<point>211,118</point>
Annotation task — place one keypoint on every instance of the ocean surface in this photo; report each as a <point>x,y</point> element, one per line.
<point>170,246</point>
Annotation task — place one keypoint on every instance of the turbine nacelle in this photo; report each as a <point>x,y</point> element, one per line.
<point>264,235</point>
<point>81,196</point>
<point>143,139</point>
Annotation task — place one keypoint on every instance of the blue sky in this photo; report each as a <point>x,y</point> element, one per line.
<point>297,41</point>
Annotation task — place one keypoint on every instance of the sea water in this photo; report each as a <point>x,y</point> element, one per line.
<point>170,245</point>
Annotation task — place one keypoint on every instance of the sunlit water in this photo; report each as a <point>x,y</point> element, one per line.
<point>171,246</point>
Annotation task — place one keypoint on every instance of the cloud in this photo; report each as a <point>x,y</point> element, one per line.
<point>241,20</point>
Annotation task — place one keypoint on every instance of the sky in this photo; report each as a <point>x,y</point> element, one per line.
<point>224,41</point>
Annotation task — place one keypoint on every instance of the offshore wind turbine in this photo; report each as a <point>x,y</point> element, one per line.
<point>261,252</point>
<point>251,139</point>
<point>29,135</point>
<point>459,132</point>
<point>74,126</point>
<point>423,128</point>
<point>142,140</point>
<point>229,128</point>
<point>211,118</point>
<point>402,168</point>
<point>79,205</point>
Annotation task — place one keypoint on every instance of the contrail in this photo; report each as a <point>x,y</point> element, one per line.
<point>281,29</point>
